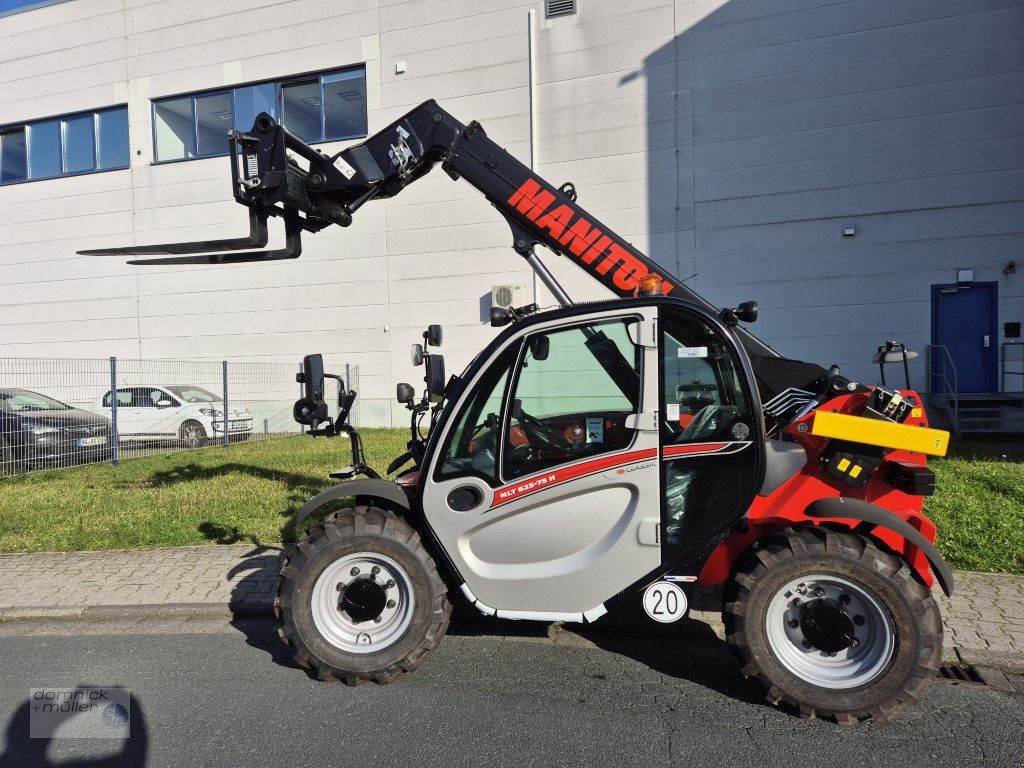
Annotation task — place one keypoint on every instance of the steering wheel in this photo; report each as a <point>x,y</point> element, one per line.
<point>700,422</point>
<point>542,436</point>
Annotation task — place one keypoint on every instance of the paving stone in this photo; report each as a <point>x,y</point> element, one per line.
<point>984,618</point>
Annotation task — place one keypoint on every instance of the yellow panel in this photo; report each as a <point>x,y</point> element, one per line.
<point>886,434</point>
<point>916,413</point>
<point>855,472</point>
<point>843,464</point>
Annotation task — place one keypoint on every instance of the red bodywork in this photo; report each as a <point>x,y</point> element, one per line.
<point>788,504</point>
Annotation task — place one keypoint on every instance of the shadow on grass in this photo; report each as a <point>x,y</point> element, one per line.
<point>306,484</point>
<point>300,489</point>
<point>988,450</point>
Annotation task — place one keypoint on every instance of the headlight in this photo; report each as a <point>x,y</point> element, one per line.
<point>45,431</point>
<point>209,412</point>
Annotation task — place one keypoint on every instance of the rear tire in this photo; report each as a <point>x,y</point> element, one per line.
<point>869,599</point>
<point>328,628</point>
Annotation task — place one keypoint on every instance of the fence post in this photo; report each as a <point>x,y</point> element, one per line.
<point>302,394</point>
<point>225,422</point>
<point>115,443</point>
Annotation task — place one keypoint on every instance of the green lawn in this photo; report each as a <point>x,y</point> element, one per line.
<point>250,491</point>
<point>979,509</point>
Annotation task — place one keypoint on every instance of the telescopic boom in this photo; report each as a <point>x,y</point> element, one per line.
<point>270,183</point>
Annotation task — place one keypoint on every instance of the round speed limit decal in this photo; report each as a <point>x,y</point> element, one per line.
<point>665,602</point>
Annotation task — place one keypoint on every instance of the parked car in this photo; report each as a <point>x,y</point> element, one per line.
<point>36,430</point>
<point>184,413</point>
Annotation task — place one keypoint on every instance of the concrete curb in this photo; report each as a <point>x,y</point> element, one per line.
<point>697,626</point>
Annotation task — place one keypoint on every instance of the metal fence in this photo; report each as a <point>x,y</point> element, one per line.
<point>58,412</point>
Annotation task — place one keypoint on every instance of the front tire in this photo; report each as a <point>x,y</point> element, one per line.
<point>360,599</point>
<point>192,434</point>
<point>829,623</point>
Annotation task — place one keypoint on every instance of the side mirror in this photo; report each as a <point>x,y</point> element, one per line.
<point>433,335</point>
<point>313,377</point>
<point>540,347</point>
<point>405,394</point>
<point>310,412</point>
<point>500,316</point>
<point>416,354</point>
<point>164,404</point>
<point>747,312</point>
<point>435,378</point>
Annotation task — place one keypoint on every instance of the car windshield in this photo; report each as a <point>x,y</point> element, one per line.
<point>194,394</point>
<point>23,401</point>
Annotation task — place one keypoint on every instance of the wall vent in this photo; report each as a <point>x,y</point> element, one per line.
<point>555,8</point>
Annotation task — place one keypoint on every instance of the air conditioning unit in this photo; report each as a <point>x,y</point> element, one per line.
<point>506,296</point>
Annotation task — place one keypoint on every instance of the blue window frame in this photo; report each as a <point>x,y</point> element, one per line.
<point>43,149</point>
<point>323,106</point>
<point>84,142</point>
<point>17,6</point>
<point>112,139</point>
<point>13,156</point>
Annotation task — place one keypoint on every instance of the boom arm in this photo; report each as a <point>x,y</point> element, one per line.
<point>270,183</point>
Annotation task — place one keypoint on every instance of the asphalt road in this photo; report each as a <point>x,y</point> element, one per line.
<point>220,696</point>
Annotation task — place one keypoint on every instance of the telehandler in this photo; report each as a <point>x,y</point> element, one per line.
<point>599,453</point>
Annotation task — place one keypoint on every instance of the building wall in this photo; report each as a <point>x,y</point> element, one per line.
<point>731,140</point>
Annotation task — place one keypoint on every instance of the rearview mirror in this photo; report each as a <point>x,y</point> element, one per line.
<point>435,378</point>
<point>313,377</point>
<point>540,347</point>
<point>404,393</point>
<point>433,335</point>
<point>416,354</point>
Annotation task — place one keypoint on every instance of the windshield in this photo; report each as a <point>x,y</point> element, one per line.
<point>23,401</point>
<point>194,394</point>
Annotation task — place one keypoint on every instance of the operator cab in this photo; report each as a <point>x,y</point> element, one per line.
<point>596,421</point>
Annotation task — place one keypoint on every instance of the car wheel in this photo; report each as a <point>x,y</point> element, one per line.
<point>192,434</point>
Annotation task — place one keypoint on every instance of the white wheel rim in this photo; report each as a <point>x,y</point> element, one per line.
<point>364,573</point>
<point>789,633</point>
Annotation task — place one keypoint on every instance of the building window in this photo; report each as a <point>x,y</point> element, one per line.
<point>8,7</point>
<point>326,106</point>
<point>64,146</point>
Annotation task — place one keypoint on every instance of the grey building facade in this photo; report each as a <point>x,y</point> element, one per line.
<point>855,166</point>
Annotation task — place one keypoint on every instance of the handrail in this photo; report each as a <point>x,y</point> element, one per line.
<point>1003,373</point>
<point>952,388</point>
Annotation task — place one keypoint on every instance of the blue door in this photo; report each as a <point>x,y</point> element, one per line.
<point>964,320</point>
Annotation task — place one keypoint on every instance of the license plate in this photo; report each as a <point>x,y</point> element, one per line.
<point>88,442</point>
<point>238,426</point>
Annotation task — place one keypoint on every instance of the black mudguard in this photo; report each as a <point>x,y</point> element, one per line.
<point>380,489</point>
<point>855,509</point>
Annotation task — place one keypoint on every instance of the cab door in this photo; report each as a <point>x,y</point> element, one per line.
<point>711,433</point>
<point>545,489</point>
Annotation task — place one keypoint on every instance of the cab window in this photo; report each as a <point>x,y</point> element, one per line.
<point>574,388</point>
<point>702,393</point>
<point>472,444</point>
